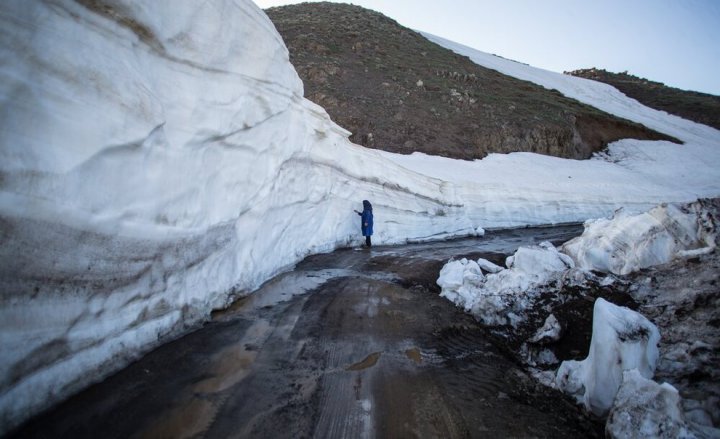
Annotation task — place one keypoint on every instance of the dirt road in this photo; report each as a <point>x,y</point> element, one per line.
<point>355,343</point>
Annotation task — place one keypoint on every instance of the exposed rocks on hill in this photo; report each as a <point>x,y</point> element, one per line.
<point>698,107</point>
<point>397,91</point>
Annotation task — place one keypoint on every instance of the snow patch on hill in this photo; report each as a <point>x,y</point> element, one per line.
<point>684,172</point>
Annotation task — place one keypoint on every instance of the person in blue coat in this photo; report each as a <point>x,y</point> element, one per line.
<point>366,221</point>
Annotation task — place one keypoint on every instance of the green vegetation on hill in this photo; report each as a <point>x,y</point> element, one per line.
<point>699,107</point>
<point>397,91</point>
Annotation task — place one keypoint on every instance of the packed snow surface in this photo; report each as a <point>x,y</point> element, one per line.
<point>158,160</point>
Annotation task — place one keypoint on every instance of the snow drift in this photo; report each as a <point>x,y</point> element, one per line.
<point>158,160</point>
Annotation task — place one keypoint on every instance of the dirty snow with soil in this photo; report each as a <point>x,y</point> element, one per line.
<point>158,160</point>
<point>619,244</point>
<point>622,340</point>
<point>644,408</point>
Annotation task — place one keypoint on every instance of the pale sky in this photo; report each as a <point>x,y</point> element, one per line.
<point>672,41</point>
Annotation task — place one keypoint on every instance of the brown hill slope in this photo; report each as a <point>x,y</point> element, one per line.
<point>699,107</point>
<point>397,91</point>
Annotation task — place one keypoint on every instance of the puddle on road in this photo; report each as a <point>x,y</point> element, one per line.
<point>369,361</point>
<point>414,354</point>
<point>231,365</point>
<point>186,421</point>
<point>235,307</point>
<point>284,287</point>
<point>230,369</point>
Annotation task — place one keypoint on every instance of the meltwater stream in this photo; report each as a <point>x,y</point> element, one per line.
<point>354,343</point>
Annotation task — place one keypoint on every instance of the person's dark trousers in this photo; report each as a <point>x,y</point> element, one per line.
<point>367,241</point>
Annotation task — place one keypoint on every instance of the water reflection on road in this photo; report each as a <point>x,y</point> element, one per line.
<point>354,343</point>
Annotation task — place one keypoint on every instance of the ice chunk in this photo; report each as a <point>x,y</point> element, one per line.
<point>646,409</point>
<point>546,356</point>
<point>549,332</point>
<point>488,266</point>
<point>626,243</point>
<point>509,261</point>
<point>451,275</point>
<point>538,260</point>
<point>499,298</point>
<point>622,340</point>
<point>458,279</point>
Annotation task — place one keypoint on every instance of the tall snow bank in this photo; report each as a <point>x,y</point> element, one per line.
<point>621,340</point>
<point>626,243</point>
<point>501,296</point>
<point>157,160</point>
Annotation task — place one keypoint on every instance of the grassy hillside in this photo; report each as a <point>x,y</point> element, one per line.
<point>397,91</point>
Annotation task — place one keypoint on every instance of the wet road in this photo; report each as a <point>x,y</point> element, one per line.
<point>355,343</point>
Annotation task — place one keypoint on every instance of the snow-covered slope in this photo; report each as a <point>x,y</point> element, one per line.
<point>523,188</point>
<point>157,159</point>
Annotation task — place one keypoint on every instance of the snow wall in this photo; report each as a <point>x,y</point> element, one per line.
<point>158,160</point>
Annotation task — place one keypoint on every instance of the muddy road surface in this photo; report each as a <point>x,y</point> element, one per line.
<point>355,343</point>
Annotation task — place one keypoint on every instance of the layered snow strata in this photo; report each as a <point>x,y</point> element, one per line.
<point>157,160</point>
<point>621,340</point>
<point>501,296</point>
<point>626,243</point>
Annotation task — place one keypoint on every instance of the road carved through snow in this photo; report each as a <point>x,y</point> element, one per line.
<point>355,343</point>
